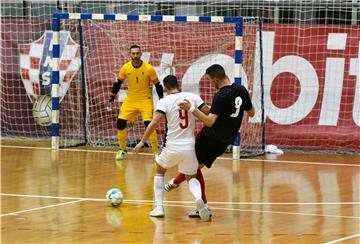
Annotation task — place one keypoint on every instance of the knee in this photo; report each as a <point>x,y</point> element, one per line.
<point>121,124</point>
<point>189,177</point>
<point>160,170</point>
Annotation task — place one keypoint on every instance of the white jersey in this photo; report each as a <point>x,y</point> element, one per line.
<point>180,123</point>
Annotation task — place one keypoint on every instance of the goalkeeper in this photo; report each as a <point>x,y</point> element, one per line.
<point>139,75</point>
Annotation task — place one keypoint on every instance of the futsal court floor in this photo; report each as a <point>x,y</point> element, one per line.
<point>59,197</point>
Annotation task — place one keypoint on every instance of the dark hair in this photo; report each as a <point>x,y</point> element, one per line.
<point>216,71</point>
<point>135,46</point>
<point>170,82</point>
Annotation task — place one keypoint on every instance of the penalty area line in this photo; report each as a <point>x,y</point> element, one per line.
<point>343,239</point>
<point>39,208</point>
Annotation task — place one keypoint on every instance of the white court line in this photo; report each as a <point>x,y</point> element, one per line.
<point>301,162</point>
<point>180,203</point>
<point>150,154</point>
<point>34,209</point>
<point>54,197</point>
<point>184,202</point>
<point>289,213</point>
<point>286,203</point>
<point>342,239</point>
<point>255,211</point>
<point>265,211</point>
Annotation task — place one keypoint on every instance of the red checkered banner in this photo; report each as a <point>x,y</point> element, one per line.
<point>311,79</point>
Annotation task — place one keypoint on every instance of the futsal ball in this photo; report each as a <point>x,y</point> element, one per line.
<point>114,196</point>
<point>41,110</point>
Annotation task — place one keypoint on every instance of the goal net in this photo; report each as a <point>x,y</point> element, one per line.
<point>310,63</point>
<point>183,48</point>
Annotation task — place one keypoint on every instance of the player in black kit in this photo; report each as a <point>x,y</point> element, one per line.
<point>221,124</point>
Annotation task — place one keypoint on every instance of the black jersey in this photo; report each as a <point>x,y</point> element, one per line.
<point>228,104</point>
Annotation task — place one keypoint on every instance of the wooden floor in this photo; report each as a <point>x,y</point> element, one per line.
<point>58,197</point>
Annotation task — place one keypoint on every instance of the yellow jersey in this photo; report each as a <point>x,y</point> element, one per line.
<point>139,79</point>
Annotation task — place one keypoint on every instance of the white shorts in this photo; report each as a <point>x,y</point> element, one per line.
<point>185,159</point>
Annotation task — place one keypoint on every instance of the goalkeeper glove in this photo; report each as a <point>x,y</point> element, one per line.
<point>111,98</point>
<point>159,90</point>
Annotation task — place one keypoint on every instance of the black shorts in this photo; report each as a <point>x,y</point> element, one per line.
<point>208,149</point>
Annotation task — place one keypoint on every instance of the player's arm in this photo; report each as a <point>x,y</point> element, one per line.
<point>158,116</point>
<point>251,112</point>
<point>248,107</point>
<point>200,104</point>
<point>208,119</point>
<point>205,109</point>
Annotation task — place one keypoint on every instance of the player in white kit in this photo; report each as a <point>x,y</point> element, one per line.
<point>179,148</point>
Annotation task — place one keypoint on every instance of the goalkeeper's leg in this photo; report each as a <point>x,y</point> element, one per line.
<point>153,139</point>
<point>154,143</point>
<point>122,131</point>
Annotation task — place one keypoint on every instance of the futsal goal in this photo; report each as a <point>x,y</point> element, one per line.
<point>181,45</point>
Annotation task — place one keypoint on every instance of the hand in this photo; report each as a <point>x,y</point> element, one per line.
<point>138,147</point>
<point>185,105</point>
<point>111,98</point>
<point>108,107</point>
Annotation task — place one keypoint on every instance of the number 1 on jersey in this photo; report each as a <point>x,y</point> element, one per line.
<point>184,119</point>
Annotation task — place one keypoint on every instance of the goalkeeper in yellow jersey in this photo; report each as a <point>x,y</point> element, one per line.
<point>140,75</point>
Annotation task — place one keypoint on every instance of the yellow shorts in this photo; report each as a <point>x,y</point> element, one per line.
<point>130,109</point>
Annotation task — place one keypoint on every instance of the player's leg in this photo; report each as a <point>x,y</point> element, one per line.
<point>158,211</point>
<point>164,161</point>
<point>207,150</point>
<point>200,145</point>
<point>195,213</point>
<point>200,178</point>
<point>175,182</point>
<point>188,166</point>
<point>195,188</point>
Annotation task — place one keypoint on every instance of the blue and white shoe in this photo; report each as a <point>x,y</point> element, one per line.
<point>204,212</point>
<point>195,213</point>
<point>158,211</point>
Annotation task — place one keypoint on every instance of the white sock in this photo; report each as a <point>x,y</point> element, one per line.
<point>159,189</point>
<point>195,188</point>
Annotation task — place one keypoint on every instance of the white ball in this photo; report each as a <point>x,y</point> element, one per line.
<point>114,196</point>
<point>41,110</point>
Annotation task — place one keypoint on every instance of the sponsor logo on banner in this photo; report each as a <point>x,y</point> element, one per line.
<point>325,78</point>
<point>36,64</point>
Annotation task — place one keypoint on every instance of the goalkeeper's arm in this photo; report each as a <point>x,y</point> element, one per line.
<point>115,89</point>
<point>159,90</point>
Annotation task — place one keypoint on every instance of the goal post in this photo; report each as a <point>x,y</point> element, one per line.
<point>115,28</point>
